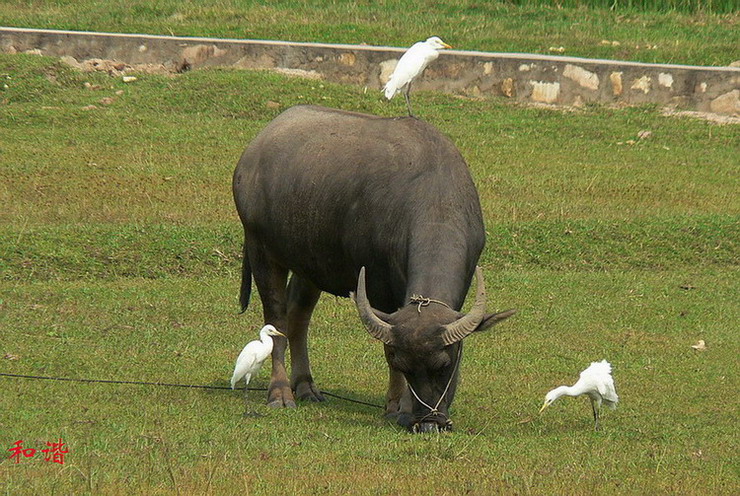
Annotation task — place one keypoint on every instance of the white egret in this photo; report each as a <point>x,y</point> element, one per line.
<point>253,355</point>
<point>411,65</point>
<point>596,382</point>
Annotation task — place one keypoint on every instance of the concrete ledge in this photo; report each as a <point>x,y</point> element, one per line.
<point>526,77</point>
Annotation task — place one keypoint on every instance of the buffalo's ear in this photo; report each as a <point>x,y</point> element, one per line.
<point>492,319</point>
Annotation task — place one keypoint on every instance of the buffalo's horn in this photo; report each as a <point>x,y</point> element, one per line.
<point>466,324</point>
<point>377,327</point>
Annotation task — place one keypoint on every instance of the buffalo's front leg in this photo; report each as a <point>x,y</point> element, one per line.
<point>302,299</point>
<point>271,281</point>
<point>398,399</point>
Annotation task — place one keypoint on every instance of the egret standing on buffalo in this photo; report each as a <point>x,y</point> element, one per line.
<point>411,65</point>
<point>596,382</point>
<point>253,355</point>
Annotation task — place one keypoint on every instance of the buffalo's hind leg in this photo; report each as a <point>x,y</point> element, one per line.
<point>271,279</point>
<point>302,299</point>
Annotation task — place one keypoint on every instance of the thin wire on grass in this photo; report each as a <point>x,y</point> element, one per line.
<point>169,384</point>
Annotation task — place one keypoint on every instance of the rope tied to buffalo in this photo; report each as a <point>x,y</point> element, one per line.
<point>421,301</point>
<point>169,384</point>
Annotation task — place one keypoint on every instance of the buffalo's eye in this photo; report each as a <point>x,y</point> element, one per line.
<point>401,366</point>
<point>440,362</point>
<point>399,363</point>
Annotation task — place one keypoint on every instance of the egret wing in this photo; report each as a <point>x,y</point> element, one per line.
<point>410,65</point>
<point>246,362</point>
<point>609,393</point>
<point>598,368</point>
<point>599,375</point>
<point>607,390</point>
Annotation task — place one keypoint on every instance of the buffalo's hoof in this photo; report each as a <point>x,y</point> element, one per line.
<point>307,391</point>
<point>281,398</point>
<point>281,404</point>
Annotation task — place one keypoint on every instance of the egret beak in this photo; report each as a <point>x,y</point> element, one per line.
<point>545,405</point>
<point>445,45</point>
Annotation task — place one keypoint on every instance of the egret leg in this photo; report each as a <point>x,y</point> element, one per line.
<point>302,298</point>
<point>249,412</point>
<point>596,415</point>
<point>408,100</point>
<point>247,378</point>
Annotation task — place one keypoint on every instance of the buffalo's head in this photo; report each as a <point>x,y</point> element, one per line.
<point>426,347</point>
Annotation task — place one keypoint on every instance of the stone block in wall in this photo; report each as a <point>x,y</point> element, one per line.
<point>729,103</point>
<point>543,92</point>
<point>585,79</point>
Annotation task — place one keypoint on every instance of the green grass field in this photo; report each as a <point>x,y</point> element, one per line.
<point>697,32</point>
<point>119,259</point>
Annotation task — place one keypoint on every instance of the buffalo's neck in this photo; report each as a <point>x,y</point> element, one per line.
<point>441,264</point>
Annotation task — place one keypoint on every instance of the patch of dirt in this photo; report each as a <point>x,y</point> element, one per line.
<point>721,119</point>
<point>118,68</point>
<point>707,116</point>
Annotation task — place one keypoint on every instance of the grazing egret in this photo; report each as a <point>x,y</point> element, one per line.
<point>253,356</point>
<point>411,65</point>
<point>596,382</point>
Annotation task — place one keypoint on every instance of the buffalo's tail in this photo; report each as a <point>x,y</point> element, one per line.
<point>246,289</point>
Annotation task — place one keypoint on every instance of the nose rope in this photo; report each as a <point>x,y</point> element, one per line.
<point>425,302</point>
<point>434,410</point>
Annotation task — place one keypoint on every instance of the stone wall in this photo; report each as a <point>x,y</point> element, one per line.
<point>526,77</point>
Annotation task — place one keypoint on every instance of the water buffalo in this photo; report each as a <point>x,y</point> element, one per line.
<point>384,207</point>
